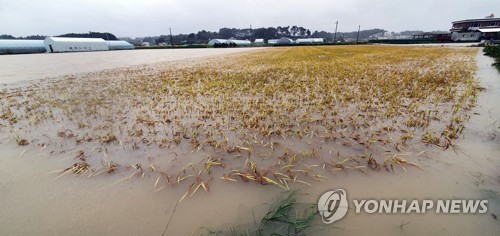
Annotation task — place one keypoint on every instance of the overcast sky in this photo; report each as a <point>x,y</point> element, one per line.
<point>153,17</point>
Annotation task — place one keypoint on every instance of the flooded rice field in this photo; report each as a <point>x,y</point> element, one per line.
<point>202,146</point>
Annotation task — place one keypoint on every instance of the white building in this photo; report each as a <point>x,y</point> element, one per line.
<point>59,44</point>
<point>310,40</point>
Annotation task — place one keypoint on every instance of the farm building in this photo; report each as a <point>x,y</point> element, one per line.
<point>59,44</point>
<point>285,41</point>
<point>119,45</point>
<point>217,41</point>
<point>14,46</point>
<point>310,40</point>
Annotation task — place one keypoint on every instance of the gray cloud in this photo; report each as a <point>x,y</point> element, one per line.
<point>154,17</point>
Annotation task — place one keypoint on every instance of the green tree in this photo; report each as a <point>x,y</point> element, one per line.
<point>191,38</point>
<point>227,33</point>
<point>7,36</point>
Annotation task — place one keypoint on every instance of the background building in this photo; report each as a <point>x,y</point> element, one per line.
<point>476,29</point>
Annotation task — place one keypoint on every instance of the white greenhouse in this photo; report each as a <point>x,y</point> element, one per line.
<point>310,40</point>
<point>239,42</point>
<point>285,40</point>
<point>217,41</point>
<point>119,45</point>
<point>15,46</point>
<point>59,44</point>
<point>259,41</point>
<point>272,41</point>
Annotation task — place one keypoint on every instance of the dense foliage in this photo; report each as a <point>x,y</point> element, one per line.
<point>493,51</point>
<point>6,36</point>
<point>105,36</point>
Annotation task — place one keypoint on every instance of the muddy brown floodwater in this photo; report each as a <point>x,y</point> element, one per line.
<point>37,66</point>
<point>34,202</point>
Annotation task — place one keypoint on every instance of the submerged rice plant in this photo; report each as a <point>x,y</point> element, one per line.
<point>285,216</point>
<point>283,219</point>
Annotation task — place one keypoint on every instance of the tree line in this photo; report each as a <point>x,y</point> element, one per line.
<point>31,37</point>
<point>105,36</point>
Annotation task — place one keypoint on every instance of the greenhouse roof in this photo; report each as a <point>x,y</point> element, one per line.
<point>61,39</point>
<point>20,43</point>
<point>239,41</point>
<point>118,42</point>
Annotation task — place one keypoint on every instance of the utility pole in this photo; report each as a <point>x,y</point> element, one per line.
<point>251,35</point>
<point>171,38</point>
<point>335,35</point>
<point>357,37</point>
